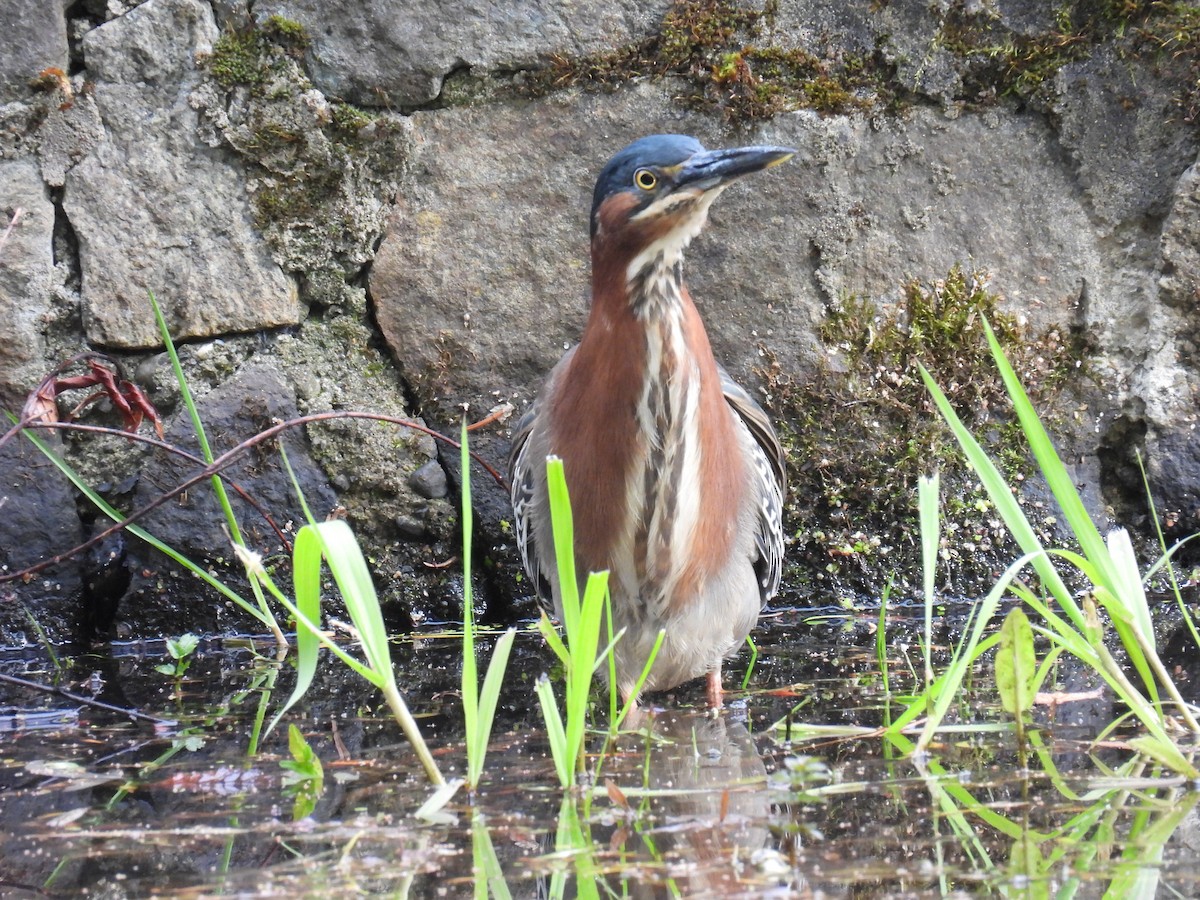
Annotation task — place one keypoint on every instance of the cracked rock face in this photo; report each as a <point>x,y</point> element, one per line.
<point>26,264</point>
<point>196,247</point>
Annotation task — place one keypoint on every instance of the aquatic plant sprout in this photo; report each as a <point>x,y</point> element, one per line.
<point>580,654</point>
<point>582,620</point>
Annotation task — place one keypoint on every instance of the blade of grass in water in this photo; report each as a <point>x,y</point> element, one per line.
<point>479,706</point>
<point>582,620</point>
<point>927,506</point>
<point>334,543</point>
<point>1089,645</point>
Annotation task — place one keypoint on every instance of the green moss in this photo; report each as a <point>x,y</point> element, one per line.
<point>713,45</point>
<point>1006,62</point>
<point>863,429</point>
<point>348,118</point>
<point>250,56</point>
<point>286,33</point>
<point>1171,35</point>
<point>718,47</point>
<point>237,59</point>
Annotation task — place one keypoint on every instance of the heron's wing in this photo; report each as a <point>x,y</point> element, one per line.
<point>525,478</point>
<point>771,479</point>
<point>527,481</point>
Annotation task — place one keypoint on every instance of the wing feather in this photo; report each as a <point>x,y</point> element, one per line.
<point>771,475</point>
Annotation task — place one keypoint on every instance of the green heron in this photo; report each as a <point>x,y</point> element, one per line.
<point>675,473</point>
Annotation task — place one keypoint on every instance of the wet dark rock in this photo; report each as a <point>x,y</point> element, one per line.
<point>411,529</point>
<point>37,521</point>
<point>253,400</point>
<point>106,578</point>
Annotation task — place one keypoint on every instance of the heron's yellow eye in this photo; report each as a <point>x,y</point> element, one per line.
<point>645,179</point>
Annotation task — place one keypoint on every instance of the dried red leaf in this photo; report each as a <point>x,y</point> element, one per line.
<point>615,794</point>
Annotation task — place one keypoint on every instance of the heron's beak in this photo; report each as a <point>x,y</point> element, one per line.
<point>711,169</point>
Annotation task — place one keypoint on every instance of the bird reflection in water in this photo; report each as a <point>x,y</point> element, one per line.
<point>701,827</point>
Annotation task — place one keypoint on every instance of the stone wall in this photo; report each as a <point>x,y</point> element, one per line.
<point>383,206</point>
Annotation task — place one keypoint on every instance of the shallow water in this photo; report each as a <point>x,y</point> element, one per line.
<point>95,804</point>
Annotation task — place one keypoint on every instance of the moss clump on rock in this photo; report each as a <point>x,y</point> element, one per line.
<point>862,429</point>
<point>1003,61</point>
<point>726,52</point>
<point>252,56</point>
<point>715,45</point>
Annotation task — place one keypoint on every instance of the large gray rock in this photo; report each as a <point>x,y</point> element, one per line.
<point>35,39</point>
<point>26,269</point>
<point>1122,128</point>
<point>483,278</point>
<point>1179,285</point>
<point>154,209</point>
<point>1169,395</point>
<point>399,52</point>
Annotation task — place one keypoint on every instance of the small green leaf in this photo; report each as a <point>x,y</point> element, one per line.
<point>305,776</point>
<point>1016,664</point>
<point>182,646</point>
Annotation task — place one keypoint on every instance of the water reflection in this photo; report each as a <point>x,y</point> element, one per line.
<point>93,804</point>
<point>704,813</point>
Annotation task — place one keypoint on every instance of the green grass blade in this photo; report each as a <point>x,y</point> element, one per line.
<point>637,688</point>
<point>547,630</point>
<point>189,404</point>
<point>306,582</point>
<point>927,506</point>
<point>1128,583</point>
<point>936,700</point>
<point>604,657</point>
<point>1005,503</point>
<point>563,525</point>
<point>489,699</point>
<point>470,665</point>
<point>753,662</point>
<point>583,644</point>
<point>1166,753</point>
<point>556,735</point>
<point>881,656</point>
<point>349,569</point>
<point>345,560</point>
<point>489,877</point>
<point>1052,468</point>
